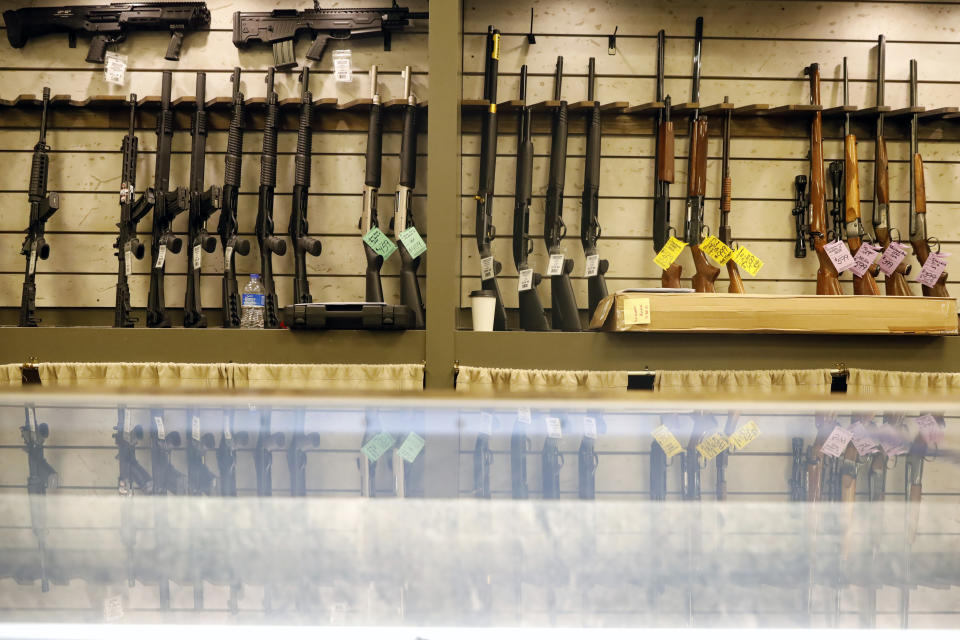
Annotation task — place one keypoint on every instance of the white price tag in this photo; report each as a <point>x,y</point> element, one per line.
<point>486,268</point>
<point>555,267</point>
<point>228,258</point>
<point>864,259</point>
<point>523,415</point>
<point>114,67</point>
<point>343,65</point>
<point>195,428</point>
<point>486,422</point>
<point>554,429</point>
<point>593,266</point>
<point>197,259</point>
<point>33,261</point>
<point>161,432</point>
<point>837,442</point>
<point>839,254</point>
<point>161,257</point>
<point>862,439</point>
<point>892,256</point>
<point>526,280</point>
<point>128,262</point>
<point>589,427</point>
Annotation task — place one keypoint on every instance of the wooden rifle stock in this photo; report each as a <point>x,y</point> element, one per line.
<point>665,152</point>
<point>707,274</point>
<point>828,280</point>
<point>733,272</point>
<point>865,285</point>
<point>895,284</point>
<point>920,246</point>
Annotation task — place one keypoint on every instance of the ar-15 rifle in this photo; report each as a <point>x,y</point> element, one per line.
<point>726,196</point>
<point>532,316</point>
<point>269,243</point>
<point>202,205</point>
<point>486,232</point>
<point>166,477</point>
<point>371,192</point>
<point>228,225</point>
<point>132,477</point>
<point>302,244</point>
<point>267,443</point>
<point>227,454</point>
<point>280,28</point>
<point>42,476</point>
<point>563,303</point>
<point>918,197</point>
<point>42,206</point>
<point>297,455</point>
<point>403,209</point>
<point>590,204</point>
<point>664,167</point>
<point>168,205</point>
<point>519,447</point>
<point>200,480</point>
<point>132,210</point>
<point>108,24</point>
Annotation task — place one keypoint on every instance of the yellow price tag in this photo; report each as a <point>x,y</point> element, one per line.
<point>716,249</point>
<point>750,263</point>
<point>636,311</point>
<point>744,435</point>
<point>667,441</point>
<point>669,254</point>
<point>713,445</point>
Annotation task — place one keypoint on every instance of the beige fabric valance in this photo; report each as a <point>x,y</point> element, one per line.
<point>762,381</point>
<point>486,379</point>
<point>902,383</point>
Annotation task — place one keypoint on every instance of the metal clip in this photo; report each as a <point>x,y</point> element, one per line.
<point>612,42</point>
<point>531,39</point>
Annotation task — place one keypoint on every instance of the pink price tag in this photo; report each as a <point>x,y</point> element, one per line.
<point>864,259</point>
<point>935,265</point>
<point>837,443</point>
<point>892,441</point>
<point>930,429</point>
<point>892,257</point>
<point>839,254</point>
<point>862,439</point>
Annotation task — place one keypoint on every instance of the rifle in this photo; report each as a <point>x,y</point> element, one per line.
<point>281,27</point>
<point>42,206</point>
<point>723,456</point>
<point>41,477</point>
<point>200,480</point>
<point>228,225</point>
<point>706,274</point>
<point>590,204</point>
<point>835,169</point>
<point>486,232</point>
<point>703,423</point>
<point>519,447</point>
<point>801,206</point>
<point>269,243</point>
<point>828,280</point>
<point>133,476</point>
<point>658,472</point>
<point>371,192</point>
<point>108,24</point>
<point>263,454</point>
<point>664,165</point>
<point>552,460</point>
<point>297,455</point>
<point>227,455</point>
<point>532,316</point>
<point>168,205</point>
<point>895,284</point>
<point>166,477</point>
<point>563,304</point>
<point>798,484</point>
<point>726,195</point>
<point>482,460</point>
<point>368,468</point>
<point>587,462</point>
<point>815,457</point>
<point>302,244</point>
<point>202,205</point>
<point>918,197</point>
<point>403,211</point>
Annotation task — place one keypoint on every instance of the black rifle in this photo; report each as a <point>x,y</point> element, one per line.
<point>133,476</point>
<point>166,477</point>
<point>486,232</point>
<point>403,211</point>
<point>228,225</point>
<point>227,454</point>
<point>297,455</point>
<point>519,447</point>
<point>563,303</point>
<point>663,157</point>
<point>587,461</point>
<point>280,28</point>
<point>269,243</point>
<point>693,220</point>
<point>132,210</point>
<point>200,480</point>
<point>551,461</point>
<point>202,205</point>
<point>42,476</point>
<point>371,192</point>
<point>658,472</point>
<point>168,205</point>
<point>800,207</point>
<point>42,206</point>
<point>368,468</point>
<point>108,24</point>
<point>263,454</point>
<point>703,423</point>
<point>837,200</point>
<point>798,476</point>
<point>590,205</point>
<point>723,458</point>
<point>482,460</point>
<point>532,316</point>
<point>302,244</point>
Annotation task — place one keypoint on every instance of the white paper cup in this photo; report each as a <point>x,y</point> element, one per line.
<point>483,304</point>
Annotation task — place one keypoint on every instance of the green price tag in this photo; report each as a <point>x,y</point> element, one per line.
<point>379,242</point>
<point>377,446</point>
<point>412,242</point>
<point>411,447</point>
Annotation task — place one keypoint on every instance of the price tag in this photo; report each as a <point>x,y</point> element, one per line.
<point>589,427</point>
<point>593,266</point>
<point>486,268</point>
<point>486,422</point>
<point>113,606</point>
<point>747,261</point>
<point>161,432</point>
<point>523,415</point>
<point>412,242</point>
<point>228,258</point>
<point>891,440</point>
<point>669,254</point>
<point>343,65</point>
<point>713,445</point>
<point>744,435</point>
<point>128,262</point>
<point>862,439</point>
<point>667,441</point>
<point>377,446</point>
<point>195,428</point>
<point>554,428</point>
<point>114,67</point>
<point>379,242</point>
<point>935,265</point>
<point>930,429</point>
<point>411,447</point>
<point>636,311</point>
<point>864,259</point>
<point>892,256</point>
<point>837,442</point>
<point>716,249</point>
<point>525,283</point>
<point>33,261</point>
<point>839,254</point>
<point>197,259</point>
<point>161,257</point>
<point>555,267</point>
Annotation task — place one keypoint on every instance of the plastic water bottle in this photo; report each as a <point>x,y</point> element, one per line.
<point>251,303</point>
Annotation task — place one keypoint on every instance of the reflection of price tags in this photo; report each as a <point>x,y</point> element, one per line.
<point>377,446</point>
<point>744,435</point>
<point>589,427</point>
<point>669,254</point>
<point>636,311</point>
<point>379,242</point>
<point>486,268</point>
<point>555,266</point>
<point>114,67</point>
<point>197,256</point>
<point>486,422</point>
<point>839,254</point>
<point>195,428</point>
<point>113,608</point>
<point>837,442</point>
<point>593,265</point>
<point>161,257</point>
<point>554,428</point>
<point>862,439</point>
<point>412,242</point>
<point>128,263</point>
<point>523,415</point>
<point>161,432</point>
<point>892,441</point>
<point>713,445</point>
<point>747,261</point>
<point>411,447</point>
<point>525,283</point>
<point>935,265</point>
<point>930,429</point>
<point>892,256</point>
<point>864,259</point>
<point>667,441</point>
<point>716,249</point>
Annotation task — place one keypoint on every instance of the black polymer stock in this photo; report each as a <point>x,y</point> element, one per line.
<point>228,225</point>
<point>41,477</point>
<point>42,206</point>
<point>167,206</point>
<point>371,192</point>
<point>564,311</point>
<point>269,243</point>
<point>590,205</point>
<point>302,244</point>
<point>202,205</point>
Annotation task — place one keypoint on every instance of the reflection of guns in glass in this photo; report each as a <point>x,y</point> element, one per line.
<point>519,447</point>
<point>703,423</point>
<point>587,462</point>
<point>132,477</point>
<point>267,443</point>
<point>200,482</point>
<point>300,441</point>
<point>723,457</point>
<point>552,461</point>
<point>798,482</point>
<point>482,460</point>
<point>368,468</point>
<point>227,463</point>
<point>42,476</point>
<point>166,479</point>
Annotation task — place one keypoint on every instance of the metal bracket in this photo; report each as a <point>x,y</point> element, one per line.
<point>612,42</point>
<point>531,39</point>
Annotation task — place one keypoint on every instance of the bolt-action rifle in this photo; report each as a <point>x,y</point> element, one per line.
<point>403,211</point>
<point>269,243</point>
<point>302,243</point>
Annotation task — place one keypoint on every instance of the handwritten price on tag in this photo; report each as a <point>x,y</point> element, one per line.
<point>864,259</point>
<point>935,265</point>
<point>716,249</point>
<point>747,261</point>
<point>411,447</point>
<point>412,241</point>
<point>713,445</point>
<point>667,441</point>
<point>377,446</point>
<point>379,242</point>
<point>744,435</point>
<point>839,254</point>
<point>837,442</point>
<point>636,311</point>
<point>892,257</point>
<point>669,254</point>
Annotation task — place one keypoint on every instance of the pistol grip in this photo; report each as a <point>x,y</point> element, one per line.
<point>98,47</point>
<point>318,46</point>
<point>176,43</point>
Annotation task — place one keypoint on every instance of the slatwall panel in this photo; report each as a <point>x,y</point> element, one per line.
<point>85,164</point>
<point>753,52</point>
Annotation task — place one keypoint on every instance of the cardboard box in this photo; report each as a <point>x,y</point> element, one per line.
<point>755,313</point>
